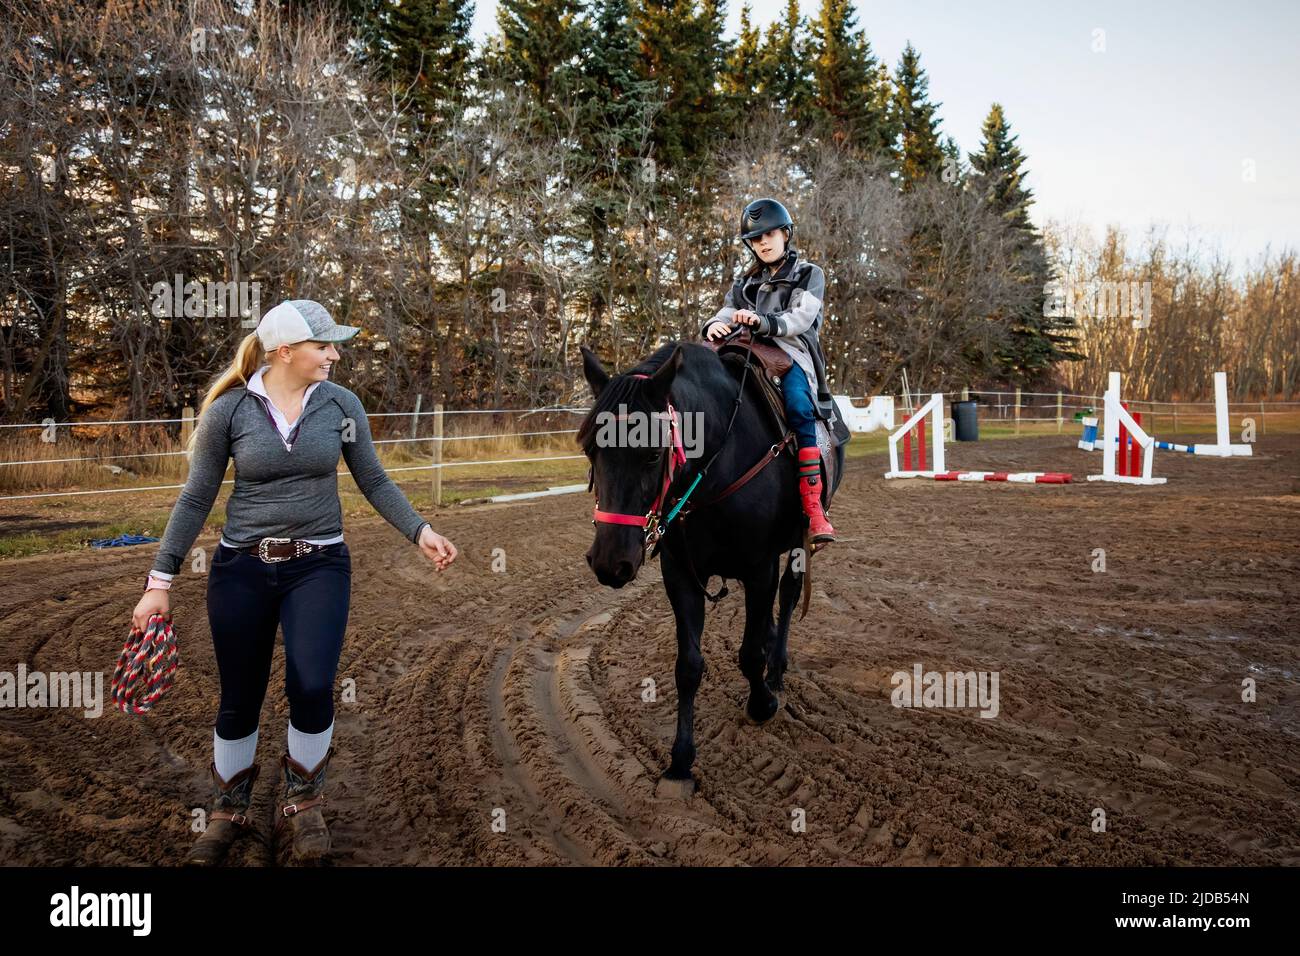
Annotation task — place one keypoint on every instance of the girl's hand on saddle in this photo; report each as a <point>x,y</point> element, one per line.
<point>746,317</point>
<point>716,330</point>
<point>437,548</point>
<point>154,601</point>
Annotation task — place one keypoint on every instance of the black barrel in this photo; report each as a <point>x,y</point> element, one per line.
<point>966,425</point>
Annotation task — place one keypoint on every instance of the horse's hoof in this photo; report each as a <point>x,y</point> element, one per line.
<point>669,788</point>
<point>760,719</point>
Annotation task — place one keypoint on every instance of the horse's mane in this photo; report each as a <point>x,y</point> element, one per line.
<point>623,389</point>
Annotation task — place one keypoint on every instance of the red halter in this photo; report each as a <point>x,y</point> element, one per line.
<point>675,458</point>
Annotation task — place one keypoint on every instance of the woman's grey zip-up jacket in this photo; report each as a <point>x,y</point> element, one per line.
<point>281,492</point>
<point>789,304</point>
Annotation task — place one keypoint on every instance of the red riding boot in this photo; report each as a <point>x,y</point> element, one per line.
<point>810,490</point>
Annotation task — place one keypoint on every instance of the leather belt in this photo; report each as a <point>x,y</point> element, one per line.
<point>271,550</point>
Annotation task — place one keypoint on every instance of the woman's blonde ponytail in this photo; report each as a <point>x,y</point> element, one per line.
<point>248,359</point>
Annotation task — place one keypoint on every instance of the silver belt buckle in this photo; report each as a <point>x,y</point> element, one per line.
<point>264,554</point>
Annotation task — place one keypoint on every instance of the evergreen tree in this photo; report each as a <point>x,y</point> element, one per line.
<point>616,103</point>
<point>785,79</point>
<point>852,89</point>
<point>919,152</point>
<point>423,48</point>
<point>998,168</point>
<point>1038,340</point>
<point>740,79</point>
<point>615,96</point>
<point>952,168</point>
<point>684,54</point>
<point>542,42</point>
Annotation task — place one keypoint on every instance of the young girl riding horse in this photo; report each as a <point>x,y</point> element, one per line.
<point>780,297</point>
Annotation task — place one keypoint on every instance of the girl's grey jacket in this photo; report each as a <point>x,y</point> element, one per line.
<point>790,304</point>
<point>281,492</point>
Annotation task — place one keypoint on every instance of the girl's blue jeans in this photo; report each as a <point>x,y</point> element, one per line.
<point>799,406</point>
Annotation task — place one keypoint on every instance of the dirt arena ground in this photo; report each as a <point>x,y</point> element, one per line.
<point>521,692</point>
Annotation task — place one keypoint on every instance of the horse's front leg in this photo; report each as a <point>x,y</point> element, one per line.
<point>688,607</point>
<point>760,589</point>
<point>788,598</point>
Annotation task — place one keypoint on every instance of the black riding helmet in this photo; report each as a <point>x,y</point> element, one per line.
<point>760,216</point>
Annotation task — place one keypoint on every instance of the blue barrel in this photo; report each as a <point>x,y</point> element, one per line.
<point>966,425</point>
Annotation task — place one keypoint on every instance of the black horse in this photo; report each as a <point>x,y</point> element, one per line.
<point>740,537</point>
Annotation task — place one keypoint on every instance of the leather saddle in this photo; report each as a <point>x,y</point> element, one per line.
<point>772,364</point>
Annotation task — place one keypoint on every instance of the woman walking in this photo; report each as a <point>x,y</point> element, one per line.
<point>281,561</point>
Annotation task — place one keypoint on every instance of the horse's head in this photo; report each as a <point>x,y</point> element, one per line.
<point>627,458</point>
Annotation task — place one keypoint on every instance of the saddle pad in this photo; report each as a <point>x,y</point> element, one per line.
<point>826,445</point>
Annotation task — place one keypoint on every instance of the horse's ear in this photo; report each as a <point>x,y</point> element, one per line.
<point>596,375</point>
<point>662,380</point>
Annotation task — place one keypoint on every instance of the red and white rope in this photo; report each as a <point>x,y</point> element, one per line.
<point>147,666</point>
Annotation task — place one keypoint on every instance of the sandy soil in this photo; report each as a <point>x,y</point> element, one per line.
<point>521,692</point>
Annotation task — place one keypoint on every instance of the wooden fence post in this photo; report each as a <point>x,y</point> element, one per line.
<point>1017,409</point>
<point>1060,419</point>
<point>437,455</point>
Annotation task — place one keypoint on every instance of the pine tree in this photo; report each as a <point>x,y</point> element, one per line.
<point>423,52</point>
<point>1037,340</point>
<point>684,54</point>
<point>740,78</point>
<point>423,48</point>
<point>615,96</point>
<point>998,166</point>
<point>952,171</point>
<point>541,45</point>
<point>851,98</point>
<point>616,105</point>
<point>785,79</point>
<point>919,152</point>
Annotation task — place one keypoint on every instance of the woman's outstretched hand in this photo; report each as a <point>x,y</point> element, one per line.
<point>437,548</point>
<point>154,601</point>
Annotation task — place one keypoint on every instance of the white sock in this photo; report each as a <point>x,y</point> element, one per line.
<point>232,756</point>
<point>309,749</point>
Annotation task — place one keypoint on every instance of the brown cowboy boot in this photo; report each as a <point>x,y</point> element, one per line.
<point>810,490</point>
<point>227,819</point>
<point>299,822</point>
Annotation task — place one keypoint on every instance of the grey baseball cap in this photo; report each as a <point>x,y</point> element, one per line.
<point>300,320</point>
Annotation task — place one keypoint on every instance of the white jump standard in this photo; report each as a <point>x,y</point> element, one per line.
<point>933,409</point>
<point>1122,434</point>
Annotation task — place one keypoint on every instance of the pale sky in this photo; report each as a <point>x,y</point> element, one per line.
<point>1165,125</point>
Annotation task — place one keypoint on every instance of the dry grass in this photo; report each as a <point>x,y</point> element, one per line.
<point>35,525</point>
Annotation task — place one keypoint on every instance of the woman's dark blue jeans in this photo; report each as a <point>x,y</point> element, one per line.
<point>248,599</point>
<point>799,411</point>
